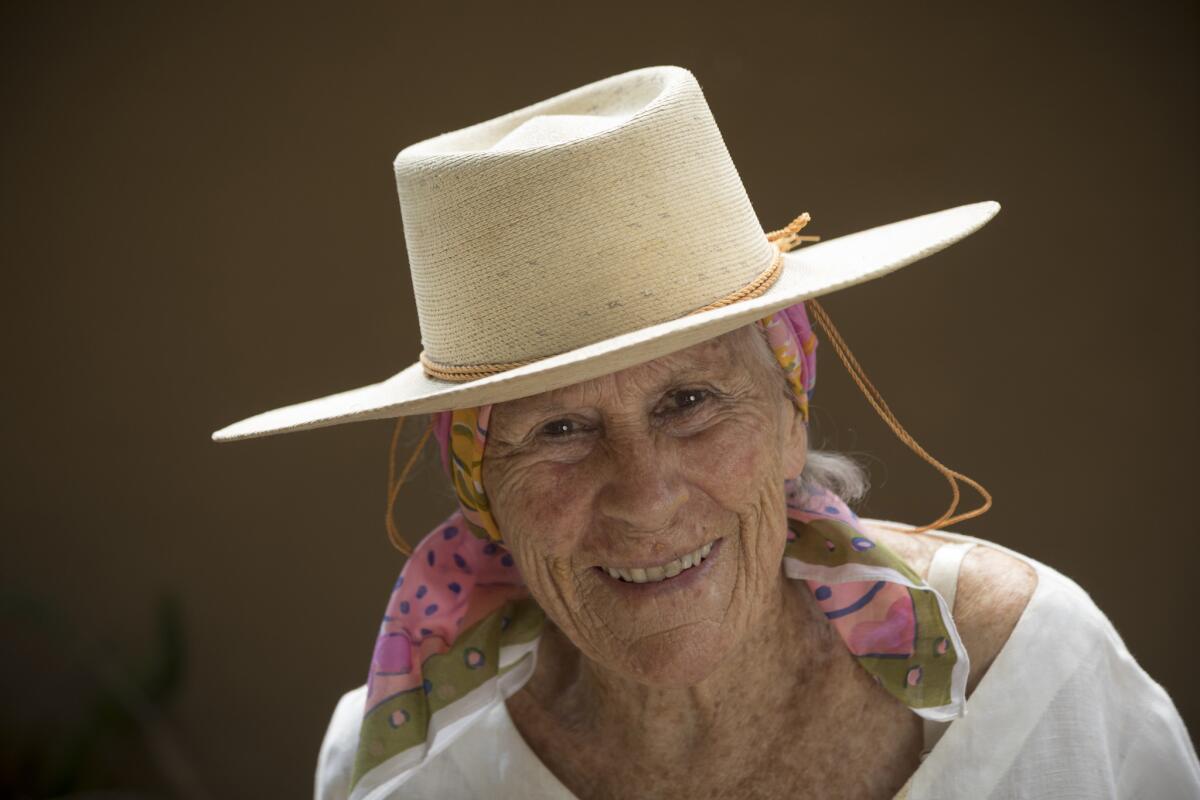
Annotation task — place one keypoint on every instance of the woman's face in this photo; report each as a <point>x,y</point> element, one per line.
<point>636,469</point>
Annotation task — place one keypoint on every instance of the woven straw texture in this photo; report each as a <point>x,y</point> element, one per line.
<point>597,212</point>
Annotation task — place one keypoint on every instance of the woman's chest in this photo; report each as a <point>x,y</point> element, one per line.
<point>866,751</point>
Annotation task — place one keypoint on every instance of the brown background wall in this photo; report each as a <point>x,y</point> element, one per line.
<point>199,223</point>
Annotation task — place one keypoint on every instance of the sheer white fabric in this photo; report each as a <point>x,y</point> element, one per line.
<point>1063,712</point>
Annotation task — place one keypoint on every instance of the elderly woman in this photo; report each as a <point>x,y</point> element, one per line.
<point>654,586</point>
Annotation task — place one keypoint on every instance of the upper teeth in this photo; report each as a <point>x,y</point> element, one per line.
<point>661,573</point>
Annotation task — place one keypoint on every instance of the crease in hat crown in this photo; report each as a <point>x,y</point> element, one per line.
<point>597,212</point>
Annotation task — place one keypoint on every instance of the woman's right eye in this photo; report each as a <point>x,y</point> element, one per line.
<point>560,429</point>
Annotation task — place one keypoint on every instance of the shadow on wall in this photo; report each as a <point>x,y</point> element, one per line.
<point>106,731</point>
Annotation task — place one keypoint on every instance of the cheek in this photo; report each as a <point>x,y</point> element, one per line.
<point>731,461</point>
<point>739,466</point>
<point>543,509</point>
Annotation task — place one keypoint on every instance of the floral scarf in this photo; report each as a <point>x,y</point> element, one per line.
<point>461,630</point>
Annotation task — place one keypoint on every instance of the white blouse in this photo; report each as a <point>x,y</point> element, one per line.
<point>1064,711</point>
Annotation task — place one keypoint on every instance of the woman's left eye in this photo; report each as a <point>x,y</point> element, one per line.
<point>560,429</point>
<point>687,399</point>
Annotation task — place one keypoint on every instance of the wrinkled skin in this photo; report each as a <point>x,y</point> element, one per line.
<point>656,696</point>
<point>640,478</point>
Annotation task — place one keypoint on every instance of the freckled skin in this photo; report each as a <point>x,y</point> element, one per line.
<point>636,485</point>
<point>737,687</point>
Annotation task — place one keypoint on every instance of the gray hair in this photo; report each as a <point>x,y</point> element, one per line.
<point>837,472</point>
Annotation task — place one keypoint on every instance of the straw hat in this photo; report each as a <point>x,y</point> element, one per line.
<point>587,233</point>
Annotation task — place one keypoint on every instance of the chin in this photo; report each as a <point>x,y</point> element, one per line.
<point>676,659</point>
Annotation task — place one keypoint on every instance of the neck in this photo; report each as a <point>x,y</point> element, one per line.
<point>774,674</point>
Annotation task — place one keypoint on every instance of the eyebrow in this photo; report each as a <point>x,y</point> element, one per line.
<point>536,406</point>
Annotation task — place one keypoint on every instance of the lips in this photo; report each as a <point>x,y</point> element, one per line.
<point>663,571</point>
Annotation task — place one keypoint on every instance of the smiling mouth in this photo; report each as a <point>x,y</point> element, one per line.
<point>663,571</point>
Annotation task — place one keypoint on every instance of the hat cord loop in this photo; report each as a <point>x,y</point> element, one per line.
<point>395,483</point>
<point>875,397</point>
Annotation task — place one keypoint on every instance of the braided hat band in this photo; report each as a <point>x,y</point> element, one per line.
<point>785,239</point>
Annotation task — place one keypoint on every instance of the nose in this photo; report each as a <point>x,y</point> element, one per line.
<point>644,491</point>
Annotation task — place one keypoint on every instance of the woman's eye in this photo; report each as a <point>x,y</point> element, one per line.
<point>560,429</point>
<point>687,399</point>
<point>681,402</point>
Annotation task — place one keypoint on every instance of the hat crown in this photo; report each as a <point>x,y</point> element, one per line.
<point>550,129</point>
<point>597,212</point>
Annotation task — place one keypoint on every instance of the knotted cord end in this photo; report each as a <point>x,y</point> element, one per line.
<point>789,238</point>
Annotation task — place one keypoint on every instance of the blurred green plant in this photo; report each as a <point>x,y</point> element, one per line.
<point>122,716</point>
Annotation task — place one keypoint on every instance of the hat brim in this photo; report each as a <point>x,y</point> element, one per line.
<point>810,271</point>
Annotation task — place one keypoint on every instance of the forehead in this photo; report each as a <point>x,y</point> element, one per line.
<point>714,357</point>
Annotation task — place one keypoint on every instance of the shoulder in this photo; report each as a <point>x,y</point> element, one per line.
<point>994,589</point>
<point>335,763</point>
<point>1087,708</point>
